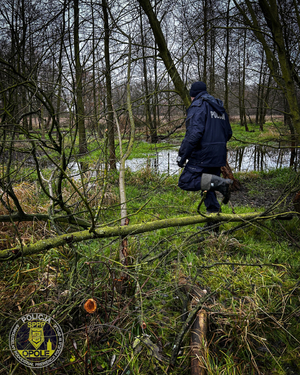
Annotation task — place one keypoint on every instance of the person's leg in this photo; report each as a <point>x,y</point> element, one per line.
<point>212,182</point>
<point>190,181</point>
<point>194,181</point>
<point>211,203</point>
<point>212,206</point>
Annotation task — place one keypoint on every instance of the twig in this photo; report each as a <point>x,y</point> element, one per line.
<point>241,264</point>
<point>200,203</point>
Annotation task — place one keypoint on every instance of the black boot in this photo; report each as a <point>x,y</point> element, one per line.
<point>216,183</point>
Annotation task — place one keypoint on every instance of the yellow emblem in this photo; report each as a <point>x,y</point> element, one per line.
<point>36,340</point>
<point>36,336</point>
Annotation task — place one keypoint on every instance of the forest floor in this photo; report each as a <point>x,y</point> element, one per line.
<point>253,276</point>
<point>258,191</point>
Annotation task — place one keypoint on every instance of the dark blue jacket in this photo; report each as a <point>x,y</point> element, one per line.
<point>207,132</point>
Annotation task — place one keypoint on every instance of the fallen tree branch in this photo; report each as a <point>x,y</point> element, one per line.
<point>107,232</point>
<point>186,326</point>
<point>199,343</point>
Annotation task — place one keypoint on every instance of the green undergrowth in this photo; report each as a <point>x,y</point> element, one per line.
<point>250,274</point>
<point>141,149</point>
<point>273,134</point>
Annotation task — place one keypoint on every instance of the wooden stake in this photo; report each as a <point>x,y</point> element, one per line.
<point>198,343</point>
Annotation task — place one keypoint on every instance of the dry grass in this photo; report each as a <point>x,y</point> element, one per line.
<point>25,232</point>
<point>269,119</point>
<point>93,193</point>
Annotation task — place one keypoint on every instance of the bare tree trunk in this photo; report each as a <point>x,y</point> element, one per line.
<point>123,253</point>
<point>149,123</point>
<point>205,40</point>
<point>259,91</point>
<point>212,82</point>
<point>263,94</point>
<point>110,116</point>
<point>266,94</point>
<point>242,80</point>
<point>226,95</point>
<point>280,65</point>
<point>95,86</point>
<point>287,121</point>
<point>79,96</point>
<point>23,64</point>
<point>60,66</point>
<point>165,53</point>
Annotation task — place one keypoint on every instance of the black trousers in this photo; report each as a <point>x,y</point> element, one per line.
<point>190,180</point>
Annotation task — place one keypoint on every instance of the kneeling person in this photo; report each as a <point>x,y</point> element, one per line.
<point>204,147</point>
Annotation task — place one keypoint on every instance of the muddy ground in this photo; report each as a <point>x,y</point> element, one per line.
<point>257,194</point>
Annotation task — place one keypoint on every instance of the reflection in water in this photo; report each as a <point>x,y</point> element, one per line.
<point>253,158</point>
<point>164,162</point>
<point>258,158</point>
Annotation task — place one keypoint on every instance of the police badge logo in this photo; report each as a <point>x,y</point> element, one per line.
<point>36,337</point>
<point>36,340</point>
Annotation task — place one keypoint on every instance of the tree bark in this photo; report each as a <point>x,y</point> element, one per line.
<point>165,53</point>
<point>110,115</point>
<point>226,94</point>
<point>78,76</point>
<point>280,66</point>
<point>115,231</point>
<point>242,81</point>
<point>149,123</point>
<point>205,40</point>
<point>198,328</point>
<point>198,343</point>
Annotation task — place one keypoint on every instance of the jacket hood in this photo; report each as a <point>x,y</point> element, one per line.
<point>217,104</point>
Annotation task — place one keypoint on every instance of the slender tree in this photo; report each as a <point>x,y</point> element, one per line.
<point>80,122</point>
<point>164,52</point>
<point>227,57</point>
<point>268,29</point>
<point>109,115</point>
<point>149,121</point>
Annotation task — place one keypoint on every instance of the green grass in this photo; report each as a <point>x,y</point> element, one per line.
<point>254,274</point>
<point>272,134</point>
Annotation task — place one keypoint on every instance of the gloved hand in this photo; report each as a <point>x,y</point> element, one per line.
<point>180,162</point>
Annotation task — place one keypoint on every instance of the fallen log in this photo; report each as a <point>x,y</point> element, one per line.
<point>22,250</point>
<point>200,306</point>
<point>199,343</point>
<point>199,326</point>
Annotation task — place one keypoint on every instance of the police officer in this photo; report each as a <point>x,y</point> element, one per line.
<point>203,150</point>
